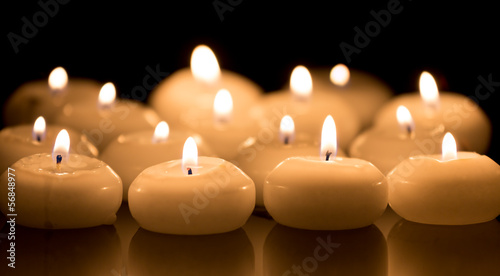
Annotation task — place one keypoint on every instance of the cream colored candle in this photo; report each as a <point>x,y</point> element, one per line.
<point>20,141</point>
<point>433,109</point>
<point>185,98</point>
<point>107,118</point>
<point>448,189</point>
<point>325,193</point>
<point>129,154</point>
<point>192,196</point>
<point>60,191</point>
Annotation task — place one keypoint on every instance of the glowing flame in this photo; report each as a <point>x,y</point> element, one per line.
<point>107,95</point>
<point>449,147</point>
<point>204,65</point>
<point>58,79</point>
<point>287,129</point>
<point>39,129</point>
<point>161,132</point>
<point>328,139</point>
<point>339,75</point>
<point>405,119</point>
<point>301,82</point>
<point>428,90</point>
<point>223,106</point>
<point>61,147</point>
<point>189,157</point>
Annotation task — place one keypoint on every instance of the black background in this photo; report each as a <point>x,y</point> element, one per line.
<point>114,41</point>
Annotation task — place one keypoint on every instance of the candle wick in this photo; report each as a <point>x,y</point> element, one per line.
<point>58,159</point>
<point>408,129</point>
<point>285,140</point>
<point>38,138</point>
<point>190,171</point>
<point>328,153</point>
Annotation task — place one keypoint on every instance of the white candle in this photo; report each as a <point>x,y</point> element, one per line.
<point>448,189</point>
<point>326,193</point>
<point>192,196</point>
<point>61,190</point>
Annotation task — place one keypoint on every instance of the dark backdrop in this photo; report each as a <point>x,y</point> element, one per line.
<point>264,40</point>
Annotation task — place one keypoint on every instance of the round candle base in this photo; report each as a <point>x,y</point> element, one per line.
<point>217,198</point>
<point>308,193</point>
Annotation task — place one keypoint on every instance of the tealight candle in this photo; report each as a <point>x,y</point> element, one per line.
<point>433,109</point>
<point>192,196</point>
<point>326,193</point>
<point>20,141</point>
<point>449,189</point>
<point>61,190</point>
<point>386,147</point>
<point>185,97</point>
<point>36,98</point>
<point>107,118</point>
<point>129,154</point>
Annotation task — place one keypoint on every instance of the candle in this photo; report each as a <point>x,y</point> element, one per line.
<point>257,159</point>
<point>386,147</point>
<point>129,154</point>
<point>186,97</point>
<point>365,93</point>
<point>104,120</point>
<point>448,189</point>
<point>326,193</point>
<point>308,108</point>
<point>36,98</point>
<point>433,109</point>
<point>61,190</point>
<point>192,196</point>
<point>20,141</point>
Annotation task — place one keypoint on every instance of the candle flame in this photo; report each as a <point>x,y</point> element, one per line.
<point>428,90</point>
<point>449,147</point>
<point>39,129</point>
<point>287,130</point>
<point>189,157</point>
<point>328,139</point>
<point>204,65</point>
<point>405,119</point>
<point>223,106</point>
<point>107,95</point>
<point>60,152</point>
<point>340,75</point>
<point>161,132</point>
<point>58,79</point>
<point>301,83</point>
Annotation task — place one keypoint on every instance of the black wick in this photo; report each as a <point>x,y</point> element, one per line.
<point>58,159</point>
<point>328,153</point>
<point>285,140</point>
<point>190,171</point>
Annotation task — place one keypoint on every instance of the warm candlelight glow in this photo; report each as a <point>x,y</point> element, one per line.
<point>161,132</point>
<point>339,75</point>
<point>39,129</point>
<point>61,147</point>
<point>204,65</point>
<point>189,157</point>
<point>107,95</point>
<point>58,79</point>
<point>428,90</point>
<point>287,130</point>
<point>449,147</point>
<point>328,139</point>
<point>301,82</point>
<point>405,119</point>
<point>223,106</point>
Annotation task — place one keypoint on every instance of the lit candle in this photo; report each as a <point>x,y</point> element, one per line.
<point>42,98</point>
<point>20,141</point>
<point>192,196</point>
<point>325,193</point>
<point>105,119</point>
<point>308,108</point>
<point>129,154</point>
<point>61,190</point>
<point>185,97</point>
<point>386,147</point>
<point>449,189</point>
<point>433,109</point>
